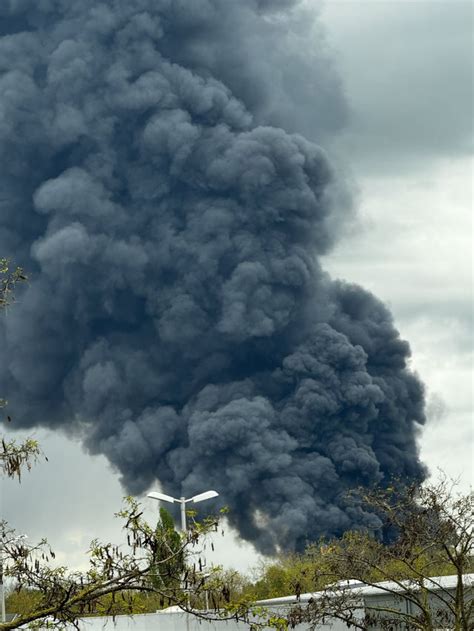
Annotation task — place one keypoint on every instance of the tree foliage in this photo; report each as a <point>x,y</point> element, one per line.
<point>432,535</point>
<point>117,577</point>
<point>14,456</point>
<point>169,573</point>
<point>150,569</point>
<point>9,278</point>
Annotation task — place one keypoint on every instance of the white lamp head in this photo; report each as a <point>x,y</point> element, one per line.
<point>207,495</point>
<point>161,496</point>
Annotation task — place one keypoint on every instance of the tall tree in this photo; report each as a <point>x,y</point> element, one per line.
<point>169,573</point>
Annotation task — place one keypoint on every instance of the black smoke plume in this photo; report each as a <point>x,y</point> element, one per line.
<point>178,315</point>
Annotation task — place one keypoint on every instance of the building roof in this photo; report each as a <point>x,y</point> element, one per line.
<point>360,589</point>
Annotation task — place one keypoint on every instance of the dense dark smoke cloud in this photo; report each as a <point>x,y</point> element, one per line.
<point>267,58</point>
<point>177,314</point>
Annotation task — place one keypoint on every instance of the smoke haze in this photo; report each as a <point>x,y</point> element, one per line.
<point>172,219</point>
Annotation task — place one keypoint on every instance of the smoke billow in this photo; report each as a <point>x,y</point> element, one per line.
<point>177,313</point>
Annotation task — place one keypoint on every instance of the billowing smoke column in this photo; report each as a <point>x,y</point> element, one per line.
<point>177,314</point>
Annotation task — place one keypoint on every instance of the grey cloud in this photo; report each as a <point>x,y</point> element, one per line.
<point>407,67</point>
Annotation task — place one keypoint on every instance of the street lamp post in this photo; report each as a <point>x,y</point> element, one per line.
<point>207,495</point>
<point>182,501</point>
<point>2,544</point>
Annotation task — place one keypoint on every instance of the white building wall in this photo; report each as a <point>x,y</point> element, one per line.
<point>176,622</point>
<point>158,622</point>
<point>180,621</point>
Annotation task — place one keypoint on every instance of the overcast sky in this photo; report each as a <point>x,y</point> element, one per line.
<point>406,68</point>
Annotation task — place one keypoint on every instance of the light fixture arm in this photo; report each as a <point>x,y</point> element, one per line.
<point>182,501</point>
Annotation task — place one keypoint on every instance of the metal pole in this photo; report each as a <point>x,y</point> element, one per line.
<point>4,617</point>
<point>182,501</point>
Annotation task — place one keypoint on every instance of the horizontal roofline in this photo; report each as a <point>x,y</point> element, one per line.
<point>361,589</point>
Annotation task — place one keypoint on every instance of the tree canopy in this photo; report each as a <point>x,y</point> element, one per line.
<point>431,530</point>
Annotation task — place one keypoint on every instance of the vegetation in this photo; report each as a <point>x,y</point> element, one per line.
<point>8,279</point>
<point>169,573</point>
<point>430,529</point>
<point>152,567</point>
<point>14,457</point>
<point>432,535</point>
<point>119,579</point>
